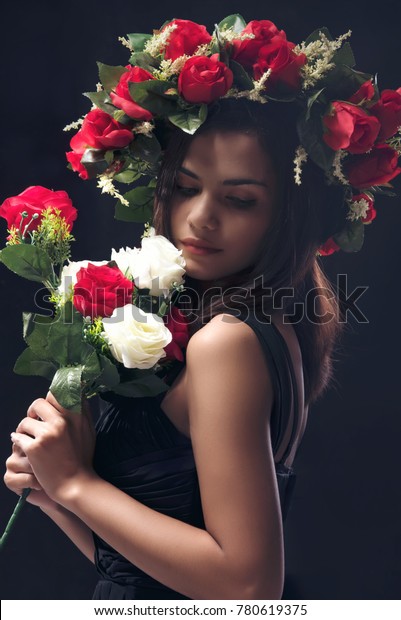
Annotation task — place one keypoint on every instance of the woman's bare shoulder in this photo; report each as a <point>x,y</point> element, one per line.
<point>222,333</point>
<point>226,356</point>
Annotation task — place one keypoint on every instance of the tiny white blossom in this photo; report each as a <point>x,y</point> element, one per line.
<point>75,125</point>
<point>106,185</point>
<point>337,167</point>
<point>254,94</point>
<point>301,157</point>
<point>319,56</point>
<point>204,49</point>
<point>126,43</point>
<point>228,35</point>
<point>156,45</point>
<point>144,128</point>
<point>358,209</point>
<point>170,67</point>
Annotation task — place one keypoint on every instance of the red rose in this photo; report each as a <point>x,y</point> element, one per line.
<point>371,212</point>
<point>203,79</point>
<point>329,247</point>
<point>350,128</point>
<point>75,160</point>
<point>186,37</point>
<point>100,289</point>
<point>388,111</point>
<point>34,200</point>
<point>285,65</point>
<point>177,323</point>
<point>365,93</point>
<point>122,99</point>
<point>376,168</point>
<point>100,131</point>
<point>246,52</point>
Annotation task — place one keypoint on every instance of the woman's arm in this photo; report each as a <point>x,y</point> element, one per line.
<point>240,555</point>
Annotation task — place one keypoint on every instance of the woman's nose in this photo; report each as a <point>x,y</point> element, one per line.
<point>202,213</point>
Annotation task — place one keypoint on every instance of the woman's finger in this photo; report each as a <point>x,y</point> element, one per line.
<point>19,463</point>
<point>30,426</point>
<point>18,482</point>
<point>41,409</point>
<point>22,441</point>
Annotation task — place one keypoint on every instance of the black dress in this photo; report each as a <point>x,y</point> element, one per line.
<point>139,450</point>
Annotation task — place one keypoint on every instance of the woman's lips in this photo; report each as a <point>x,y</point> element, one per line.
<point>199,250</point>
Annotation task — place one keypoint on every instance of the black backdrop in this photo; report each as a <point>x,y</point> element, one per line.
<point>343,532</point>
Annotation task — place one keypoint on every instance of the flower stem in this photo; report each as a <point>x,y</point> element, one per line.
<point>14,516</point>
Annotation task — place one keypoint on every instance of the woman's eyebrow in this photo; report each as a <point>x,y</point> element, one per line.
<point>244,182</point>
<point>228,181</point>
<point>188,172</point>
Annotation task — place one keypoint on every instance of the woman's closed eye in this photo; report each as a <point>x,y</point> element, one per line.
<point>186,191</point>
<point>242,202</point>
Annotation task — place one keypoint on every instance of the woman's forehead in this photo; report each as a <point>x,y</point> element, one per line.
<point>228,153</point>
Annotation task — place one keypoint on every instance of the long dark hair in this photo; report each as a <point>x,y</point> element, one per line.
<point>308,215</point>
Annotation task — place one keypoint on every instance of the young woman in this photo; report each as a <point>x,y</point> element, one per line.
<point>183,496</point>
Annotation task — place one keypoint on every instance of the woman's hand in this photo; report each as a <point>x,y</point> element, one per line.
<point>58,445</point>
<point>19,476</point>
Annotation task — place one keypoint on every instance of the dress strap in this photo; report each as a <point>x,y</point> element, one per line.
<point>283,380</point>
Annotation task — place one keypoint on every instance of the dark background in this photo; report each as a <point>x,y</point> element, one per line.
<point>343,532</point>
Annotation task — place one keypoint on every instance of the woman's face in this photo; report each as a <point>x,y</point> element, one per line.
<point>222,204</point>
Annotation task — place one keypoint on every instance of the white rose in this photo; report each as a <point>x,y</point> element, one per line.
<point>136,338</point>
<point>155,266</point>
<point>167,265</point>
<point>124,259</point>
<point>68,278</point>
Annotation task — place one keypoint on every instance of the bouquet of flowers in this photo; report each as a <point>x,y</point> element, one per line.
<point>113,325</point>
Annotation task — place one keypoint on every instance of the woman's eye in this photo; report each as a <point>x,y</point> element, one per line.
<point>186,191</point>
<point>242,202</point>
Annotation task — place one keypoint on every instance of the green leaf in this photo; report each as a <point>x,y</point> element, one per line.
<point>145,61</point>
<point>344,56</point>
<point>311,101</point>
<point>28,261</point>
<point>138,40</point>
<point>128,176</point>
<point>36,329</point>
<point>148,385</point>
<point>241,77</point>
<point>91,368</point>
<point>146,147</point>
<point>151,95</point>
<point>121,117</point>
<point>65,337</point>
<point>310,132</point>
<point>191,119</point>
<point>344,81</point>
<point>66,387</point>
<point>110,75</point>
<point>236,22</point>
<point>109,376</point>
<point>140,208</point>
<point>102,101</point>
<point>95,161</point>
<point>28,363</point>
<point>351,238</point>
<point>315,35</point>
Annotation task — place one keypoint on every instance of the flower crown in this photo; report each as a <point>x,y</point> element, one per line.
<point>345,125</point>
